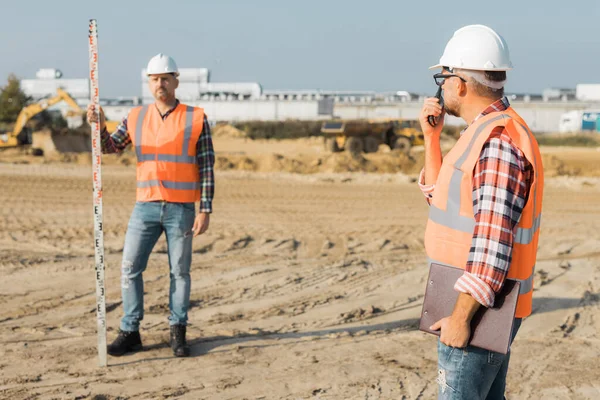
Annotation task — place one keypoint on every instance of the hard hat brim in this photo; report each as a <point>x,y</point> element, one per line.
<point>160,73</point>
<point>472,69</point>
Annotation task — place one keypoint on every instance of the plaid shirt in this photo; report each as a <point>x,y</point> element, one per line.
<point>205,156</point>
<point>501,181</point>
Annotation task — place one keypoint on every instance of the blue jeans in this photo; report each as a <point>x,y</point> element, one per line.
<point>472,373</point>
<point>147,223</point>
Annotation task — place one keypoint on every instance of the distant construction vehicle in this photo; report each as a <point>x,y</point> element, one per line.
<point>21,135</point>
<point>358,136</point>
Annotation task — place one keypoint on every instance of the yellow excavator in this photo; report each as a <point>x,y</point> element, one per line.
<point>20,135</point>
<point>111,126</point>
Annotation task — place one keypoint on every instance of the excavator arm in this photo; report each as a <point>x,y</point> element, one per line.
<point>69,100</point>
<point>30,111</point>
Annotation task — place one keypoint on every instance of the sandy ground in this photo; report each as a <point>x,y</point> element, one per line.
<point>306,286</point>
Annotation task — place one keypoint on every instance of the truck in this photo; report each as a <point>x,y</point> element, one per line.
<point>358,136</point>
<point>580,121</point>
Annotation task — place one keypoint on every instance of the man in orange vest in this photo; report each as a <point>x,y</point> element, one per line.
<point>485,199</point>
<point>175,160</point>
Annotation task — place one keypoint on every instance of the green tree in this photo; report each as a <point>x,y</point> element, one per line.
<point>12,100</point>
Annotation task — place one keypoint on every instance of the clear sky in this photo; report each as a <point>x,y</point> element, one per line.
<point>327,44</point>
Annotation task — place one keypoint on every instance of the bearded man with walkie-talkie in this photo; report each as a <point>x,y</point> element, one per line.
<point>485,199</point>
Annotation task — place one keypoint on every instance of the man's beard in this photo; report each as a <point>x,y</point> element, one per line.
<point>452,110</point>
<point>162,95</point>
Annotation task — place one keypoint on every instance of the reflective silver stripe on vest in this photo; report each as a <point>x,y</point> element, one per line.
<point>464,156</point>
<point>187,133</point>
<point>451,217</point>
<point>169,184</point>
<point>168,158</point>
<point>526,284</point>
<point>458,223</point>
<point>138,132</point>
<point>467,225</point>
<point>525,235</point>
<point>183,158</point>
<point>147,184</point>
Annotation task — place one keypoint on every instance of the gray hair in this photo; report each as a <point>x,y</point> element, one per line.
<point>488,84</point>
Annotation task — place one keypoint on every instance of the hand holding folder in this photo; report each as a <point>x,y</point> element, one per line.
<point>491,328</point>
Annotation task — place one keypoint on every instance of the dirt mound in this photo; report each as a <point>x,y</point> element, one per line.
<point>236,151</point>
<point>238,163</point>
<point>392,162</point>
<point>67,141</point>
<point>570,161</point>
<point>278,162</point>
<point>227,131</point>
<point>344,162</point>
<point>554,166</point>
<point>264,163</point>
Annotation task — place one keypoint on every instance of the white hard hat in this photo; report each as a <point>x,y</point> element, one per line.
<point>476,47</point>
<point>162,64</point>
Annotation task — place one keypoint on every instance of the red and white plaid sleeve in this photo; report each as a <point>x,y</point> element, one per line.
<point>501,182</point>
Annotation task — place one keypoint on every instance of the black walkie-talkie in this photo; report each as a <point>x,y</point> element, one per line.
<point>433,121</point>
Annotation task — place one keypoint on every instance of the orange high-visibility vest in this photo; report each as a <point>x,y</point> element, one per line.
<point>451,222</point>
<point>166,153</point>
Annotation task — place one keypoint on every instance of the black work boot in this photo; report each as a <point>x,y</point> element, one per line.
<point>178,342</point>
<point>126,342</point>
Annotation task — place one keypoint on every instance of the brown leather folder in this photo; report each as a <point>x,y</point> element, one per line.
<point>491,328</point>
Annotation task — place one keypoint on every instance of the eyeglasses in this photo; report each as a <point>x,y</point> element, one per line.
<point>441,77</point>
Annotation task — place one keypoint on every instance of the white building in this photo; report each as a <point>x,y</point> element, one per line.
<point>195,85</point>
<point>588,92</point>
<point>49,79</point>
<point>553,110</point>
